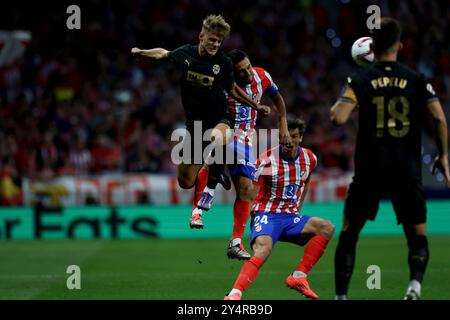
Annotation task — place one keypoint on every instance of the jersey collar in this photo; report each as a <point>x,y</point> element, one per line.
<point>289,160</point>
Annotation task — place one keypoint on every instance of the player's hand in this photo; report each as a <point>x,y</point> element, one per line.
<point>285,137</point>
<point>441,163</point>
<point>135,51</point>
<point>263,110</point>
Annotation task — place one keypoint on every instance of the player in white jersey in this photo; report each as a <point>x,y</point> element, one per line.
<point>283,175</point>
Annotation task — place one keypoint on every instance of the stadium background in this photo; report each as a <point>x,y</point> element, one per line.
<point>85,131</point>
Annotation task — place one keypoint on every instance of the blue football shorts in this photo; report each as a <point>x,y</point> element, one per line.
<point>285,227</point>
<point>244,160</point>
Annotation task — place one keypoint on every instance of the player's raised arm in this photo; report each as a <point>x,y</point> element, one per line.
<point>280,108</point>
<point>343,108</point>
<point>441,136</point>
<point>156,53</point>
<point>341,111</point>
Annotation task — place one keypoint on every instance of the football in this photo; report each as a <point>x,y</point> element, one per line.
<point>362,53</point>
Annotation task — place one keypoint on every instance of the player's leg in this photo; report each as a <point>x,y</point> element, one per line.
<point>262,248</point>
<point>200,184</point>
<point>241,211</point>
<point>408,200</point>
<point>219,137</point>
<point>418,255</point>
<point>266,229</point>
<point>188,177</point>
<point>319,232</point>
<point>316,233</point>
<point>361,204</point>
<point>187,174</point>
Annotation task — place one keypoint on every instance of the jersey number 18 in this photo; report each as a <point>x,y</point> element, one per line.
<point>396,115</point>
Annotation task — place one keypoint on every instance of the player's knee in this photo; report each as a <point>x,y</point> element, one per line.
<point>327,229</point>
<point>185,182</point>
<point>262,250</point>
<point>245,192</point>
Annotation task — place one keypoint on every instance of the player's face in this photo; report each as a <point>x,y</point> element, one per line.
<point>290,150</point>
<point>243,71</point>
<point>210,42</point>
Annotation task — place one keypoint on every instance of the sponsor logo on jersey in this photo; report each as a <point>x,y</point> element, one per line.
<point>200,79</point>
<point>290,191</point>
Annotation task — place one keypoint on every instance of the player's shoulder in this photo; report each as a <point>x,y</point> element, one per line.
<point>309,152</point>
<point>267,155</point>
<point>222,57</point>
<point>310,156</point>
<point>260,70</point>
<point>188,48</point>
<point>262,73</point>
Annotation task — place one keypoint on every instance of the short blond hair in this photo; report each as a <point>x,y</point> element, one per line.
<point>216,24</point>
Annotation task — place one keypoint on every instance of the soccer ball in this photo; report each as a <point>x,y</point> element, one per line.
<point>362,54</point>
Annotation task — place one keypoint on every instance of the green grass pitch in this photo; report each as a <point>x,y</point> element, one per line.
<point>199,269</point>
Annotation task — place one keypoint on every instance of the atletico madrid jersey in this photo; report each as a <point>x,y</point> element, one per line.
<point>282,181</point>
<point>245,116</point>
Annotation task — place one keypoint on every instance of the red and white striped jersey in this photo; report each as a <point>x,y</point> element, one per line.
<point>282,181</point>
<point>245,116</point>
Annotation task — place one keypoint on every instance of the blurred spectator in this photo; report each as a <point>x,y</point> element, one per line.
<point>10,192</point>
<point>86,84</point>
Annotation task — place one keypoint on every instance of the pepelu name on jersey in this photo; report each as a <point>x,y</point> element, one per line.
<point>383,82</point>
<point>200,79</point>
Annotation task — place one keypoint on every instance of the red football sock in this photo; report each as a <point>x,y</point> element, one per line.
<point>248,273</point>
<point>313,251</point>
<point>241,211</point>
<point>200,184</point>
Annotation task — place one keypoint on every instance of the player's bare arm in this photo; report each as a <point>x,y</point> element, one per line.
<point>156,53</point>
<point>341,111</point>
<point>243,98</point>
<point>280,108</point>
<point>305,191</point>
<point>441,136</point>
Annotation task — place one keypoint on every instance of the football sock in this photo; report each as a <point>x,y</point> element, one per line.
<point>248,273</point>
<point>200,183</point>
<point>241,211</point>
<point>314,249</point>
<point>417,257</point>
<point>344,261</point>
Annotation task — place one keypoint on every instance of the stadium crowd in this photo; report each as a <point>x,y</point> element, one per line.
<point>77,102</point>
